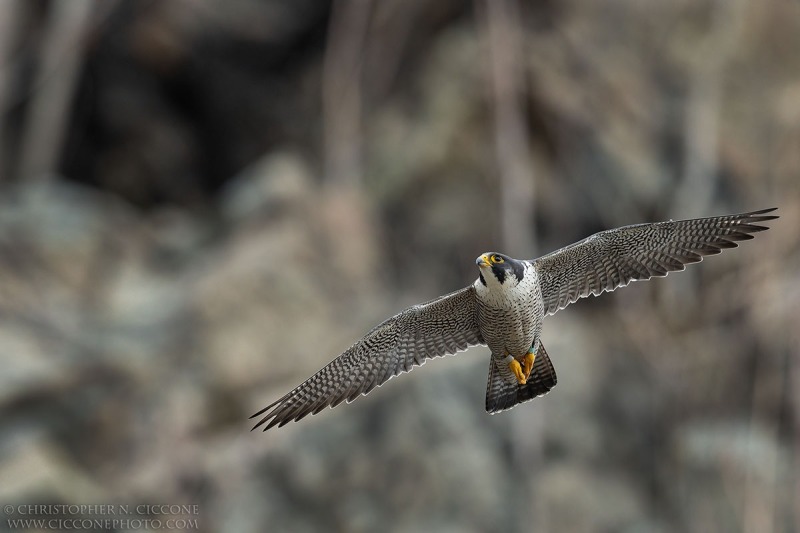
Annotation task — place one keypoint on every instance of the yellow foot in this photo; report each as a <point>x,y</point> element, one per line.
<point>515,367</point>
<point>528,364</point>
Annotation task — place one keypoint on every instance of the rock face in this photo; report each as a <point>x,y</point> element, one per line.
<point>193,257</point>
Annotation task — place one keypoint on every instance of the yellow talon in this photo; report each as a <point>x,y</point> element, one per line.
<point>515,367</point>
<point>530,357</point>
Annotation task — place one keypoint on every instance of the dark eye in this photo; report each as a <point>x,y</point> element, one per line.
<point>497,259</point>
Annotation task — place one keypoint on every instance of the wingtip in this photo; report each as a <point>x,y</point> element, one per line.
<point>264,419</point>
<point>750,220</point>
<point>259,424</point>
<point>267,408</point>
<point>272,423</point>
<point>759,214</point>
<point>270,419</point>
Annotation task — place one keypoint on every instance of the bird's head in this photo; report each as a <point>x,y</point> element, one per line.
<point>500,269</point>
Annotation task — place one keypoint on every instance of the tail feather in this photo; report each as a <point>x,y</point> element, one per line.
<point>502,394</point>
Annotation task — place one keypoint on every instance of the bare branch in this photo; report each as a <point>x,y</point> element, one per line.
<point>514,161</point>
<point>62,57</point>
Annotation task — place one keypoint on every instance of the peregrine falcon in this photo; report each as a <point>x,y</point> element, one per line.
<point>504,309</point>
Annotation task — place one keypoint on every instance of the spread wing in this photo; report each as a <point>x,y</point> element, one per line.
<point>440,327</point>
<point>614,258</point>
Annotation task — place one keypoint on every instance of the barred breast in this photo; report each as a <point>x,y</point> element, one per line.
<point>510,314</point>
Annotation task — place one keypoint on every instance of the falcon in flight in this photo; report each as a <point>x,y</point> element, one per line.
<point>504,309</point>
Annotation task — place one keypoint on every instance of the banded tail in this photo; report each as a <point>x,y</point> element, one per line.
<point>502,395</point>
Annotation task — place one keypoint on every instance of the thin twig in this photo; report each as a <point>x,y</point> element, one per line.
<point>512,143</point>
<point>341,91</point>
<point>703,110</point>
<point>9,28</point>
<point>56,77</point>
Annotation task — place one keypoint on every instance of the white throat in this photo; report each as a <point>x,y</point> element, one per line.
<point>498,294</point>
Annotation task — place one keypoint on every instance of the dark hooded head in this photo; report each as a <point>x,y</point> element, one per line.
<point>501,267</point>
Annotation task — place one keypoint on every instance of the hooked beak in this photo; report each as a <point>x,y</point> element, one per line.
<point>483,261</point>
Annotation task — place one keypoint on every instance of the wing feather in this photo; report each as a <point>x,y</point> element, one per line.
<point>614,258</point>
<point>440,327</point>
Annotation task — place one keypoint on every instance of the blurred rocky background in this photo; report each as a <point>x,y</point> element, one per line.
<point>202,202</point>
